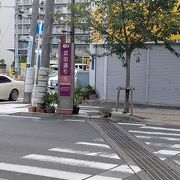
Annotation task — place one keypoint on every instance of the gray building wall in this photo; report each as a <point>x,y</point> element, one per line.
<point>155,78</point>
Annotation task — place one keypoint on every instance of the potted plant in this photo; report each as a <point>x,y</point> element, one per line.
<point>85,93</point>
<point>31,108</point>
<point>76,101</point>
<point>49,101</point>
<point>91,91</point>
<point>42,109</point>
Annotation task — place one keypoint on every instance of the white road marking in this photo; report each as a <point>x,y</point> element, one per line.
<point>176,146</point>
<point>22,117</point>
<point>97,154</point>
<point>165,138</point>
<point>69,161</point>
<point>178,162</point>
<point>127,169</point>
<point>160,128</point>
<point>43,172</point>
<point>154,133</point>
<point>94,144</point>
<point>131,124</point>
<point>167,152</point>
<point>74,120</point>
<point>98,177</point>
<point>121,172</point>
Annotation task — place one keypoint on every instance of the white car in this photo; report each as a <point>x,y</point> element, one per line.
<point>53,82</point>
<point>10,88</point>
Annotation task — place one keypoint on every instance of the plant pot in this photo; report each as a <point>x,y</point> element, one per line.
<point>92,96</point>
<point>75,110</point>
<point>50,109</point>
<point>32,109</point>
<point>42,110</point>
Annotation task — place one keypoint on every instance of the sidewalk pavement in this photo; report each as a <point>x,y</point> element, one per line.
<point>147,115</point>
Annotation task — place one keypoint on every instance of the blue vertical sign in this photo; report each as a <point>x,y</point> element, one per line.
<point>40,28</point>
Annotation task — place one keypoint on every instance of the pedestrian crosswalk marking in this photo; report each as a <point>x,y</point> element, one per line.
<point>131,124</point>
<point>127,169</point>
<point>70,161</point>
<point>159,137</point>
<point>122,172</point>
<point>160,128</point>
<point>51,173</point>
<point>154,133</point>
<point>178,162</point>
<point>94,144</point>
<point>167,152</point>
<point>176,146</point>
<point>98,177</point>
<point>98,154</point>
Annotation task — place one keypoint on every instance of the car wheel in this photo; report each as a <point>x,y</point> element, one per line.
<point>14,95</point>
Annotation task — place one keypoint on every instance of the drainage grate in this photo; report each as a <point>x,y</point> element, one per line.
<point>151,164</point>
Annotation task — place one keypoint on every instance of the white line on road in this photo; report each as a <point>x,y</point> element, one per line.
<point>131,124</point>
<point>74,120</point>
<point>158,137</point>
<point>167,152</point>
<point>160,128</point>
<point>43,172</point>
<point>69,161</point>
<point>178,162</point>
<point>99,177</point>
<point>154,133</point>
<point>94,144</point>
<point>87,153</point>
<point>176,146</point>
<point>22,117</point>
<point>117,173</point>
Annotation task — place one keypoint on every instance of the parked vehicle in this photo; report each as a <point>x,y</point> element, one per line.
<point>80,66</point>
<point>53,73</point>
<point>53,82</point>
<point>10,88</point>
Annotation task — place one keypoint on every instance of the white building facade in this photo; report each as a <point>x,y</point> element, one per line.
<point>7,21</point>
<point>156,77</point>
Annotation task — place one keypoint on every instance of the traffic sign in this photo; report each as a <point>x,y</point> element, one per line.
<point>40,28</point>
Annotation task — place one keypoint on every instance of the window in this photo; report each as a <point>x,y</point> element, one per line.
<point>4,79</point>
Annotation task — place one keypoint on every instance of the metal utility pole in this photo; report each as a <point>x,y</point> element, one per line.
<point>45,55</point>
<point>31,54</point>
<point>16,68</point>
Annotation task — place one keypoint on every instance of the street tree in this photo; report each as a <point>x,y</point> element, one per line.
<point>126,25</point>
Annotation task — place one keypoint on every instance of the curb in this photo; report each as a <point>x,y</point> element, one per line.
<point>49,115</point>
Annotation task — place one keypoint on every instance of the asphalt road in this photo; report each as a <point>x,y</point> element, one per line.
<point>41,149</point>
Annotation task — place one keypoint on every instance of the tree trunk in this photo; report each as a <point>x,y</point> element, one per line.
<point>126,103</point>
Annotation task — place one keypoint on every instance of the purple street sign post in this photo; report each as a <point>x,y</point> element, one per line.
<point>65,78</point>
<point>65,70</point>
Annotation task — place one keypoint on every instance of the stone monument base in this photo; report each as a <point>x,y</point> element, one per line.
<point>64,111</point>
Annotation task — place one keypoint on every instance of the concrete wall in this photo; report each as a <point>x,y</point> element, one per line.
<point>7,12</point>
